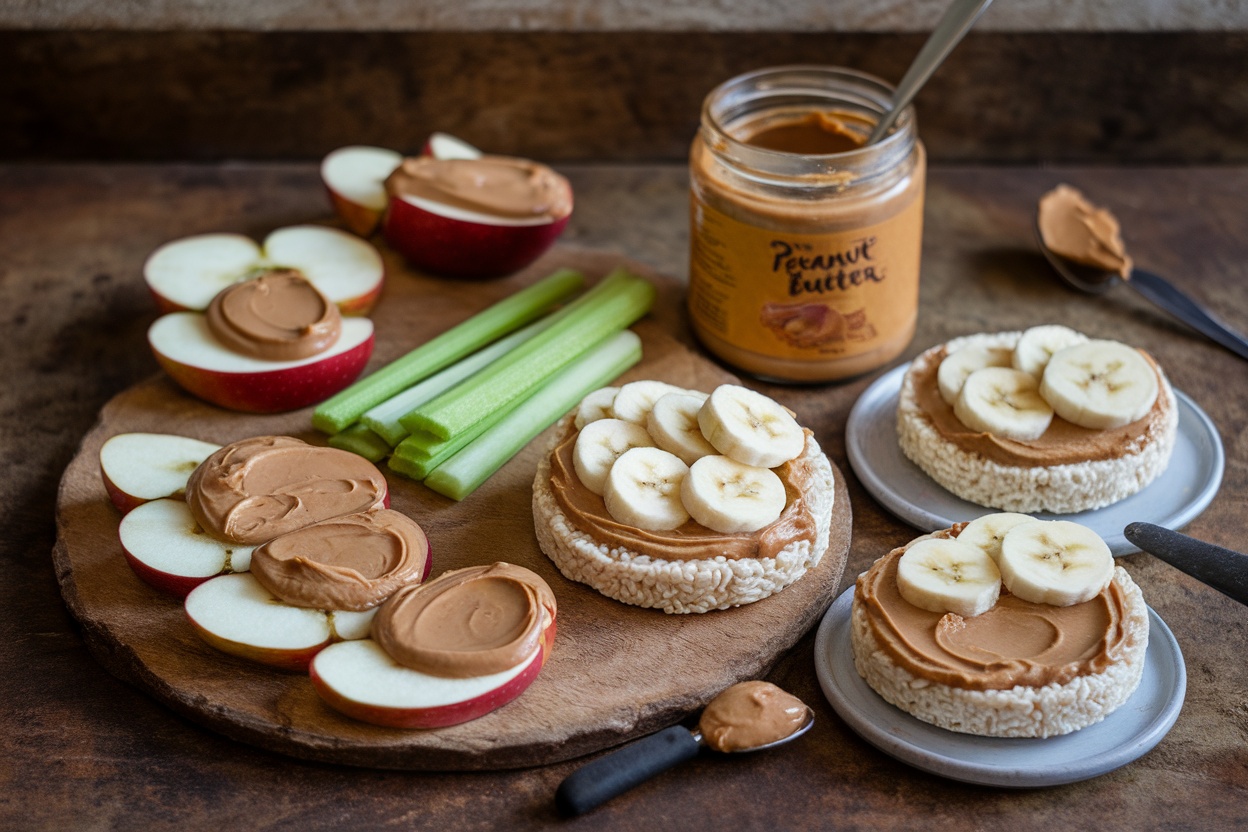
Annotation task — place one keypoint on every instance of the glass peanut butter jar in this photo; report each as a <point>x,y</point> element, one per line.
<point>805,244</point>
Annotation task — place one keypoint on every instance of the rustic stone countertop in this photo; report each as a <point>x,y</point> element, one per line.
<point>82,750</point>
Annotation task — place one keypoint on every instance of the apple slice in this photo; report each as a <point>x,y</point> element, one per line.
<point>236,615</point>
<point>139,467</point>
<point>188,352</point>
<point>446,146</point>
<point>455,242</point>
<point>167,549</point>
<point>187,274</point>
<point>359,679</point>
<point>355,178</point>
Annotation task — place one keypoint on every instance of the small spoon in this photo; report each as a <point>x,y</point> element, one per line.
<point>610,776</point>
<point>1152,287</point>
<point>950,29</point>
<point>1223,569</point>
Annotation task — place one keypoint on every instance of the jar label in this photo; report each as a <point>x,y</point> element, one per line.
<point>814,297</point>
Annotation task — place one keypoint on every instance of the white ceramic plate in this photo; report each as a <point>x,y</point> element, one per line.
<point>1123,736</point>
<point>1173,500</point>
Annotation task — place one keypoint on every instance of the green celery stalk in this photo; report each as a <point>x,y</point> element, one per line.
<point>603,311</point>
<point>465,471</point>
<point>419,445</point>
<point>358,439</point>
<point>383,419</point>
<point>344,408</point>
<point>614,283</point>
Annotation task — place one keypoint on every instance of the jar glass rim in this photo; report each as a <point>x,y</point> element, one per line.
<point>811,85</point>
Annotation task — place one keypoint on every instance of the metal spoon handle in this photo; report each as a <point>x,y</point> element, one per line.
<point>1223,569</point>
<point>596,783</point>
<point>1163,293</point>
<point>950,29</point>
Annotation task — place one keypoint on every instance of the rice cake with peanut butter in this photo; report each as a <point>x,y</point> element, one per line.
<point>688,567</point>
<point>1021,669</point>
<point>1067,469</point>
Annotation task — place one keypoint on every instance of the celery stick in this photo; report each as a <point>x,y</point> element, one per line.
<point>344,408</point>
<point>613,284</point>
<point>384,418</point>
<point>463,473</point>
<point>360,440</point>
<point>418,445</point>
<point>516,376</point>
<point>402,466</point>
<point>422,452</point>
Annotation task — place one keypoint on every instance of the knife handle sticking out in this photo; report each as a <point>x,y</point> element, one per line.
<point>1223,569</point>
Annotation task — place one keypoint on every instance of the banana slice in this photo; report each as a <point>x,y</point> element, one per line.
<point>600,444</point>
<point>749,427</point>
<point>957,365</point>
<point>643,490</point>
<point>1100,384</point>
<point>728,497</point>
<point>595,406</point>
<point>947,575</point>
<point>1004,402</point>
<point>1038,344</point>
<point>1055,562</point>
<point>987,532</point>
<point>673,425</point>
<point>636,399</point>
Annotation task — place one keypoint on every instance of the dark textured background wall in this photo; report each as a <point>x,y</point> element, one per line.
<point>1105,97</point>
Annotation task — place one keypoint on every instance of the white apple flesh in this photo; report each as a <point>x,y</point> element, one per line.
<point>187,274</point>
<point>188,352</point>
<point>446,146</point>
<point>140,467</point>
<point>167,549</point>
<point>236,615</point>
<point>360,680</point>
<point>355,179</point>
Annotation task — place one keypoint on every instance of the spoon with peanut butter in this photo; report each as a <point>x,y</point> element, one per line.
<point>749,716</point>
<point>1084,245</point>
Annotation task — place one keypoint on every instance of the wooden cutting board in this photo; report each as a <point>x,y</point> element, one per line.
<point>617,672</point>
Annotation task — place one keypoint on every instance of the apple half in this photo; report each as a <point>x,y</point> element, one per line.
<point>236,615</point>
<point>187,274</point>
<point>355,178</point>
<point>455,242</point>
<point>188,352</point>
<point>360,680</point>
<point>167,549</point>
<point>140,467</point>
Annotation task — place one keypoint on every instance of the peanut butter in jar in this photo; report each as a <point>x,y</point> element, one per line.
<point>805,245</point>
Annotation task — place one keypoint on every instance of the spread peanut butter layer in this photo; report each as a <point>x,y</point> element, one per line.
<point>467,622</point>
<point>253,490</point>
<point>353,562</point>
<point>750,714</point>
<point>692,541</point>
<point>1078,230</point>
<point>499,186</point>
<point>816,133</point>
<point>1015,643</point>
<point>1064,443</point>
<point>278,316</point>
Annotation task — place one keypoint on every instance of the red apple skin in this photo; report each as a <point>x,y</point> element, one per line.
<point>359,307</point>
<point>275,391</point>
<point>296,661</point>
<point>439,717</point>
<point>179,586</point>
<point>359,220</point>
<point>458,248</point>
<point>124,502</point>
